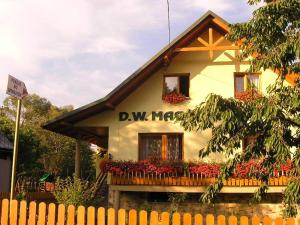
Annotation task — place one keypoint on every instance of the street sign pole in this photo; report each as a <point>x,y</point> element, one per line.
<point>15,153</point>
<point>17,89</point>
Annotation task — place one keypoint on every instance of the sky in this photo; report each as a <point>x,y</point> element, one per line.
<point>73,52</point>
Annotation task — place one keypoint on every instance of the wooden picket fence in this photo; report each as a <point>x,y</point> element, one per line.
<point>20,214</point>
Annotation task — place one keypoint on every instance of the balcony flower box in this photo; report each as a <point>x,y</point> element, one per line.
<point>175,98</point>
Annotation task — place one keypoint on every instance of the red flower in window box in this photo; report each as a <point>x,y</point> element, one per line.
<point>248,95</point>
<point>175,98</point>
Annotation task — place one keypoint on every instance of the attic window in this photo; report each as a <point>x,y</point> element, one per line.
<point>176,84</point>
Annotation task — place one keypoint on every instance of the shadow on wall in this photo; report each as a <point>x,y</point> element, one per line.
<point>226,204</point>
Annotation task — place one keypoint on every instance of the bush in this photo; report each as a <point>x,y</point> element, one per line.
<point>73,192</point>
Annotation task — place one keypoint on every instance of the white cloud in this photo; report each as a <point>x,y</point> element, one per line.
<point>215,5</point>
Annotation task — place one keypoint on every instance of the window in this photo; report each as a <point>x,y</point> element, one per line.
<point>176,84</point>
<point>160,146</point>
<point>250,140</point>
<point>246,81</point>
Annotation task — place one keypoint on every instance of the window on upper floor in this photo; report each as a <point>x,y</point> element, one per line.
<point>161,146</point>
<point>246,82</point>
<point>176,84</point>
<point>250,140</point>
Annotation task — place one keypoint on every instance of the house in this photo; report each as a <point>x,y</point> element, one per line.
<point>135,121</point>
<point>6,150</point>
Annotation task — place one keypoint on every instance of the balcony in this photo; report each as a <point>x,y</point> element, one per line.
<point>185,177</point>
<point>191,180</point>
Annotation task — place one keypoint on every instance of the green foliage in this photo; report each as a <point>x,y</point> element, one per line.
<point>42,151</point>
<point>175,199</point>
<point>274,119</point>
<point>21,196</point>
<point>272,38</point>
<point>272,34</point>
<point>73,192</point>
<point>145,206</point>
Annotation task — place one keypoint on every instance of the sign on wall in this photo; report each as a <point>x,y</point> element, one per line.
<point>144,116</point>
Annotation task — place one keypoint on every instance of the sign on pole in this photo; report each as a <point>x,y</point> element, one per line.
<point>15,88</point>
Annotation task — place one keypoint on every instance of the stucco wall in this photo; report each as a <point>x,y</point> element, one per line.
<point>206,76</point>
<point>237,204</point>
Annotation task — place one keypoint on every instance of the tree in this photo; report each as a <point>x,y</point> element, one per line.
<point>272,38</point>
<point>42,151</point>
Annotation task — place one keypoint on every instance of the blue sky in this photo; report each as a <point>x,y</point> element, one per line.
<point>75,51</point>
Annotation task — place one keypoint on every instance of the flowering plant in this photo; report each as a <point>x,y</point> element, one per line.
<point>247,95</point>
<point>174,98</point>
<point>248,169</point>
<point>208,170</point>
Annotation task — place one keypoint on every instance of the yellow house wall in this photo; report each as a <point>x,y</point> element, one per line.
<point>206,76</point>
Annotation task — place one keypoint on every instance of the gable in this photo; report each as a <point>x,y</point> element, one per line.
<point>64,124</point>
<point>206,35</point>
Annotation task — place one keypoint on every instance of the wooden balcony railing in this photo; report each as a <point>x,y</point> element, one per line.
<point>189,180</point>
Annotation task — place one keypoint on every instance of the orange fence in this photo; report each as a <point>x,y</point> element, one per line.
<point>42,214</point>
<point>141,179</point>
<point>31,196</point>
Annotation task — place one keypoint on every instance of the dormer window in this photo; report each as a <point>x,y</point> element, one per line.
<point>176,88</point>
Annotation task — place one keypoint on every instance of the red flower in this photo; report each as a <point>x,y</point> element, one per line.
<point>174,98</point>
<point>246,170</point>
<point>247,95</point>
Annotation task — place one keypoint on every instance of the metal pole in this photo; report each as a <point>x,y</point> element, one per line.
<point>15,154</point>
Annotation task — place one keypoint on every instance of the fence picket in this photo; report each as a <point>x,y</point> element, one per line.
<point>101,216</point>
<point>267,220</point>
<point>278,221</point>
<point>232,220</point>
<point>132,217</point>
<point>4,212</point>
<point>111,216</point>
<point>187,219</point>
<point>42,214</point>
<point>143,218</point>
<point>290,221</point>
<point>244,220</point>
<point>71,215</point>
<point>175,219</point>
<point>221,220</point>
<point>32,213</point>
<point>154,218</point>
<point>91,216</point>
<point>81,215</point>
<point>255,220</point>
<point>51,214</point>
<point>210,219</point>
<point>198,219</point>
<point>165,218</point>
<point>121,217</point>
<point>61,214</point>
<point>23,213</point>
<point>13,215</point>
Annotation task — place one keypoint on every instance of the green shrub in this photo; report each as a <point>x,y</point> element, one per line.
<point>73,191</point>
